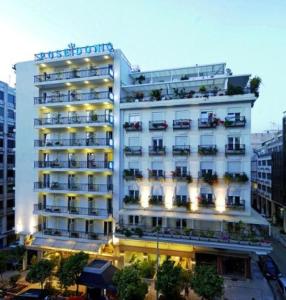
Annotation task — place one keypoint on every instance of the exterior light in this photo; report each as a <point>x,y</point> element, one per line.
<point>69,62</point>
<point>68,106</point>
<point>105,56</point>
<point>86,82</point>
<point>43,65</point>
<point>68,83</point>
<point>105,80</point>
<point>87,59</point>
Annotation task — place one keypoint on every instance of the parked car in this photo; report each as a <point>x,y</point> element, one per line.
<point>268,267</point>
<point>282,286</point>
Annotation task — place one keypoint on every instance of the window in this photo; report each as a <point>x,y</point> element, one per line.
<point>206,194</point>
<point>158,116</point>
<point>11,114</point>
<point>1,112</point>
<point>133,220</point>
<point>1,95</point>
<point>11,144</point>
<point>182,190</point>
<point>134,118</point>
<point>181,167</point>
<point>207,167</point>
<point>234,167</point>
<point>133,191</point>
<point>157,142</point>
<point>207,140</point>
<point>206,115</point>
<point>134,141</point>
<point>157,165</point>
<point>182,114</point>
<point>181,140</point>
<point>233,142</point>
<point>11,99</point>
<point>133,165</point>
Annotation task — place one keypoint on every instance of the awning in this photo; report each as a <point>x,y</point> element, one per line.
<point>98,280</point>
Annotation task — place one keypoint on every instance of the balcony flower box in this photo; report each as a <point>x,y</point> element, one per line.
<point>233,177</point>
<point>131,200</point>
<point>207,150</point>
<point>156,201</point>
<point>182,176</point>
<point>210,178</point>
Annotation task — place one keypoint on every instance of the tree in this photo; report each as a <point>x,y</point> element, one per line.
<point>169,281</point>
<point>129,284</point>
<point>146,268</point>
<point>71,269</point>
<point>40,271</point>
<point>18,254</point>
<point>4,257</point>
<point>206,282</point>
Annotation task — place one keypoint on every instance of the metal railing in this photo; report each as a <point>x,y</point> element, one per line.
<point>92,72</point>
<point>207,149</point>
<point>133,150</point>
<point>235,121</point>
<point>156,174</point>
<point>182,124</point>
<point>181,150</point>
<point>71,210</point>
<point>207,123</point>
<point>235,205</point>
<point>235,149</point>
<point>132,126</point>
<point>74,120</point>
<point>157,150</point>
<point>74,142</point>
<point>73,164</point>
<point>82,187</point>
<point>73,97</point>
<point>158,125</point>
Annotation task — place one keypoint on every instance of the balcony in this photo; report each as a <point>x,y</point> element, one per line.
<point>223,239</point>
<point>207,123</point>
<point>75,187</point>
<point>132,174</point>
<point>70,233</point>
<point>74,74</point>
<point>235,177</point>
<point>133,150</point>
<point>208,176</point>
<point>131,200</point>
<point>156,200</point>
<point>85,211</point>
<point>204,202</point>
<point>235,149</point>
<point>207,149</point>
<point>231,122</point>
<point>182,176</point>
<point>93,120</point>
<point>74,164</point>
<point>157,125</point>
<point>156,174</point>
<point>132,126</point>
<point>235,205</point>
<point>182,201</point>
<point>74,98</point>
<point>181,150</point>
<point>182,124</point>
<point>65,143</point>
<point>157,150</point>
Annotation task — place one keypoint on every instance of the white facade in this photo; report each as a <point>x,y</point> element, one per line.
<point>79,120</point>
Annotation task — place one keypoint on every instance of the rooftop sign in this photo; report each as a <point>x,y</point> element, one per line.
<point>73,51</point>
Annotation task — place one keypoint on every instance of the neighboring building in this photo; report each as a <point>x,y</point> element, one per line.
<point>7,161</point>
<point>260,137</point>
<point>268,178</point>
<point>111,146</point>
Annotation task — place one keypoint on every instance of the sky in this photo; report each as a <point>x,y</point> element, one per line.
<point>249,35</point>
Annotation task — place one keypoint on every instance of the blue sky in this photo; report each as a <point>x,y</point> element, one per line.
<point>250,36</point>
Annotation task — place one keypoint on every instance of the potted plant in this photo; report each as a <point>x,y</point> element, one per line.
<point>139,96</point>
<point>93,117</point>
<point>138,231</point>
<point>210,178</point>
<point>202,89</point>
<point>254,85</point>
<point>156,94</point>
<point>140,79</point>
<point>242,178</point>
<point>228,177</point>
<point>185,77</point>
<point>234,90</point>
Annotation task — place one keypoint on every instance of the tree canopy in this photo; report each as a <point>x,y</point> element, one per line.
<point>40,271</point>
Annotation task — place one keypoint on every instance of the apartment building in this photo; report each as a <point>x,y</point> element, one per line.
<point>113,161</point>
<point>268,178</point>
<point>7,159</point>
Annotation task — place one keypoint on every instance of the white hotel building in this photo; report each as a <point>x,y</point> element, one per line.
<point>110,159</point>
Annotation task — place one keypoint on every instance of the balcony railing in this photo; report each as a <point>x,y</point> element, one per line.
<point>101,119</point>
<point>73,74</point>
<point>132,174</point>
<point>133,150</point>
<point>235,177</point>
<point>70,233</point>
<point>157,150</point>
<point>74,164</point>
<point>208,176</point>
<point>158,125</point>
<point>156,174</point>
<point>236,205</point>
<point>81,187</point>
<point>235,149</point>
<point>100,212</point>
<point>182,124</point>
<point>207,149</point>
<point>207,122</point>
<point>156,200</point>
<point>74,142</point>
<point>206,203</point>
<point>189,235</point>
<point>234,121</point>
<point>73,97</point>
<point>132,126</point>
<point>182,201</point>
<point>182,176</point>
<point>131,199</point>
<point>181,150</point>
